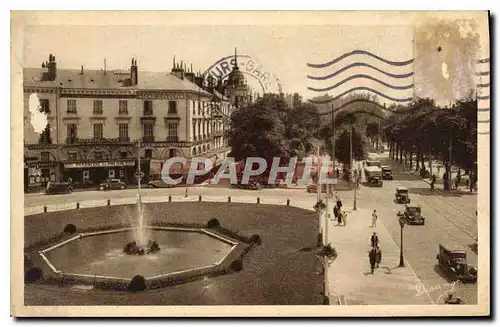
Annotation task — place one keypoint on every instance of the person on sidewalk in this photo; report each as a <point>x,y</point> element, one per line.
<point>336,212</point>
<point>374,240</point>
<point>433,181</point>
<point>378,257</point>
<point>344,217</point>
<point>339,203</point>
<point>374,218</point>
<point>372,259</point>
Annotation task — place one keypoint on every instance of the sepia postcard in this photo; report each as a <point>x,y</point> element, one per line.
<point>250,164</point>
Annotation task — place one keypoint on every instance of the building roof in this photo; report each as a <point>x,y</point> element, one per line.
<point>115,79</point>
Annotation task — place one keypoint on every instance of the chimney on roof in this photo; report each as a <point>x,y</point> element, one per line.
<point>190,75</point>
<point>134,76</point>
<point>178,70</point>
<point>51,68</point>
<point>81,72</point>
<point>104,66</point>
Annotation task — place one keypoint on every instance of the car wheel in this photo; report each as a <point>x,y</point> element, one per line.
<point>122,187</point>
<point>101,188</point>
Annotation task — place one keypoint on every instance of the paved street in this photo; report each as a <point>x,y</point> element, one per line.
<point>449,217</point>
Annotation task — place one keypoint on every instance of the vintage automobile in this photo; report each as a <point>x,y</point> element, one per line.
<point>114,184</point>
<point>412,215</point>
<point>453,259</point>
<point>313,188</point>
<point>372,163</point>
<point>59,188</point>
<point>387,172</point>
<point>252,185</point>
<point>402,195</point>
<point>159,183</point>
<point>373,175</point>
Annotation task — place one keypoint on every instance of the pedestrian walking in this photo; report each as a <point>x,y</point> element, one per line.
<point>372,259</point>
<point>433,181</point>
<point>378,257</point>
<point>374,240</point>
<point>344,218</point>
<point>339,203</point>
<point>335,212</point>
<point>374,218</point>
<point>339,217</point>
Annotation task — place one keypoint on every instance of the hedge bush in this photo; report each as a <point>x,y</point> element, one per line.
<point>137,284</point>
<point>213,223</point>
<point>70,228</point>
<point>33,274</point>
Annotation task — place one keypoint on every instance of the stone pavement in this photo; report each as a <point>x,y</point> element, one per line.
<point>349,275</point>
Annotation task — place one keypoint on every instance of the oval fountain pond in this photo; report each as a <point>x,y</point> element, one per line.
<point>103,254</point>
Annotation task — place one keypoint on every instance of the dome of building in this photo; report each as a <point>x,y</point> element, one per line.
<point>236,77</point>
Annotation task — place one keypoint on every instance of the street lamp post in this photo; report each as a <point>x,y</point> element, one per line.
<point>401,257</point>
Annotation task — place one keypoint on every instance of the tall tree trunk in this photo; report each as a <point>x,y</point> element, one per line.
<point>411,160</point>
<point>417,159</point>
<point>422,160</point>
<point>400,153</point>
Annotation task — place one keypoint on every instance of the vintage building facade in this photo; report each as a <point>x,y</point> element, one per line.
<point>99,122</point>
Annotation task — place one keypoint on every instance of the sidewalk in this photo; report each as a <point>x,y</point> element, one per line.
<point>349,275</point>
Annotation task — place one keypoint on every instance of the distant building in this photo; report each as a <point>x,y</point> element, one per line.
<point>96,118</point>
<point>293,99</point>
<point>235,87</point>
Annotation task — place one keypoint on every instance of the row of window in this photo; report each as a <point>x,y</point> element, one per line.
<point>204,108</point>
<point>122,107</point>
<point>123,134</point>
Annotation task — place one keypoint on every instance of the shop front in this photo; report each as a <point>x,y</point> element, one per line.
<point>91,173</point>
<point>38,174</point>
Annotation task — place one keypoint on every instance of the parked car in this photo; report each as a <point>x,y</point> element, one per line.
<point>402,195</point>
<point>412,215</point>
<point>313,188</point>
<point>387,172</point>
<point>159,183</point>
<point>59,188</point>
<point>113,184</point>
<point>252,185</point>
<point>453,259</point>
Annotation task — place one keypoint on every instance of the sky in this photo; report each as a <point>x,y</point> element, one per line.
<point>283,50</point>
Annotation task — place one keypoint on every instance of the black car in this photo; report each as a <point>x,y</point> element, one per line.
<point>59,188</point>
<point>113,184</point>
<point>453,259</point>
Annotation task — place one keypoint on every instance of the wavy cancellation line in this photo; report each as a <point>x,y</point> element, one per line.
<point>362,88</point>
<point>376,104</point>
<point>360,52</point>
<point>483,61</point>
<point>329,88</point>
<point>358,64</point>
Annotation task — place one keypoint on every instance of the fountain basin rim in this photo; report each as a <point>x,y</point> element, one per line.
<point>205,231</point>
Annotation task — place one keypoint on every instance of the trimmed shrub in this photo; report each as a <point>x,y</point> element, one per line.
<point>236,265</point>
<point>213,223</point>
<point>256,239</point>
<point>70,228</point>
<point>33,274</point>
<point>137,284</point>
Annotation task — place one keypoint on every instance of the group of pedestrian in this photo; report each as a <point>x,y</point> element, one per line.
<point>338,213</point>
<point>375,254</point>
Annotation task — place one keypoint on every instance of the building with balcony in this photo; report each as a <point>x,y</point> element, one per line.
<point>100,122</point>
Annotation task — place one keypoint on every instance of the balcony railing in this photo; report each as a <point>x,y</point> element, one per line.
<point>172,138</point>
<point>97,140</point>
